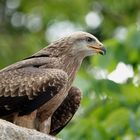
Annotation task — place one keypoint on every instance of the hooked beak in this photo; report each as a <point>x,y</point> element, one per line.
<point>98,47</point>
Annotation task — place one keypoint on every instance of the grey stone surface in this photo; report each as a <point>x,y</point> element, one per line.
<point>9,131</point>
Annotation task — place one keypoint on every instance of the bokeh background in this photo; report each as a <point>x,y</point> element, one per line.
<point>110,108</point>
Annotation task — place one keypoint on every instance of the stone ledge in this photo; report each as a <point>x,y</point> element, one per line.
<point>9,131</point>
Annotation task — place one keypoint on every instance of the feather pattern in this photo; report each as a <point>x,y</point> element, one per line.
<point>26,85</point>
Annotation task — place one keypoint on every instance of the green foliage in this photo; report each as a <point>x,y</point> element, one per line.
<point>109,111</point>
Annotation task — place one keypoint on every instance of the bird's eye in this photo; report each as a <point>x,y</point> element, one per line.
<point>89,39</point>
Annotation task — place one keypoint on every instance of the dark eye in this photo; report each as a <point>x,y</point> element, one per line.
<point>89,39</point>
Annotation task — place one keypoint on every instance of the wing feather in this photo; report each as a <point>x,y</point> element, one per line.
<point>65,111</point>
<point>29,86</point>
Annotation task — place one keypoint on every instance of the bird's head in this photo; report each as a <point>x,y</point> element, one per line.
<point>86,44</point>
<point>79,44</point>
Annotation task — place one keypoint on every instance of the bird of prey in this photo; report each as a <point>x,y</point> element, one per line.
<point>37,92</point>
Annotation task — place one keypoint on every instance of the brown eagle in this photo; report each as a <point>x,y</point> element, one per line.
<point>37,92</point>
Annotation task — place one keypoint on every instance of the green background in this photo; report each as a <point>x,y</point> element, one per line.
<point>109,110</point>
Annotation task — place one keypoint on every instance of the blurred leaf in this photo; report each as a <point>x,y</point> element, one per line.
<point>116,122</point>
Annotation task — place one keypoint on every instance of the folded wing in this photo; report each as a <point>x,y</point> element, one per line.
<point>24,90</point>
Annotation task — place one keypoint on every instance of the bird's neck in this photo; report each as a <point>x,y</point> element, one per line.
<point>71,66</point>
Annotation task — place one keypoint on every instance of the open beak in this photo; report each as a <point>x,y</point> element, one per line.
<point>98,47</point>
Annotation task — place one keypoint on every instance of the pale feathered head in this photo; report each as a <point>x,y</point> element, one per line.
<point>79,43</point>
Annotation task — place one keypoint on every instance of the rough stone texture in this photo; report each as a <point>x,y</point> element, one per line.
<point>9,131</point>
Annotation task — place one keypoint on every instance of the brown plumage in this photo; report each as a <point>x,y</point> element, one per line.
<point>65,111</point>
<point>36,92</point>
